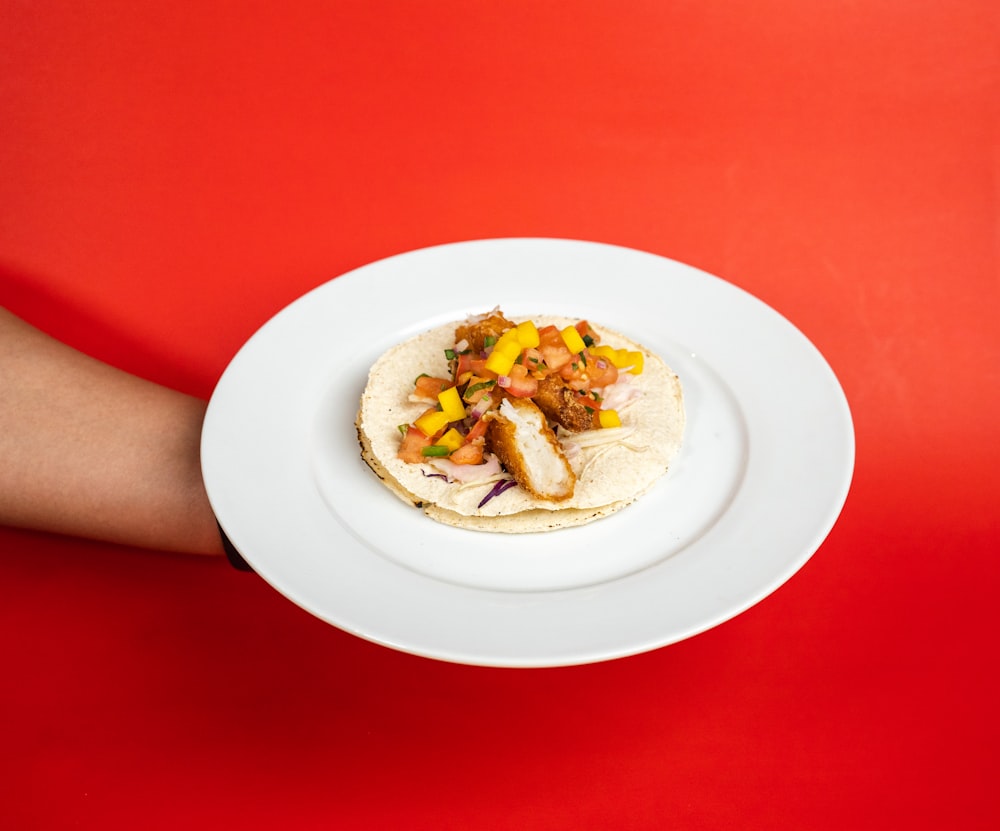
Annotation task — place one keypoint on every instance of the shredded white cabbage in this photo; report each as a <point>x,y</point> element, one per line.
<point>620,394</point>
<point>467,475</point>
<point>603,439</point>
<point>593,438</point>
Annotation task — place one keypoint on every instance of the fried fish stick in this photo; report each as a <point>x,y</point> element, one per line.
<point>518,434</point>
<point>476,331</point>
<point>562,405</point>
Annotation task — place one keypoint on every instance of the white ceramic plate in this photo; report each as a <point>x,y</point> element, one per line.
<point>763,474</point>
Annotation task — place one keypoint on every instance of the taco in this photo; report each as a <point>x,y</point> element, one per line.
<point>520,426</point>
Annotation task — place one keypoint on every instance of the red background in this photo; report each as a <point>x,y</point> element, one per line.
<point>172,174</point>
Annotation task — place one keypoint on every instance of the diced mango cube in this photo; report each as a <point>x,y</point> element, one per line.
<point>431,422</point>
<point>451,404</point>
<point>509,342</point>
<point>571,337</point>
<point>527,335</point>
<point>452,439</point>
<point>633,360</point>
<point>501,360</point>
<point>609,418</point>
<point>609,353</point>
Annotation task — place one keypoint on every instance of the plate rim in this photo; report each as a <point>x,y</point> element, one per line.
<point>214,429</point>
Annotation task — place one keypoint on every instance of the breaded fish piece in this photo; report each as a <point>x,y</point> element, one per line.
<point>476,330</point>
<point>562,405</point>
<point>518,434</point>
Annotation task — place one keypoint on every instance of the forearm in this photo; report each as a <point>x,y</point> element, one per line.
<point>92,451</point>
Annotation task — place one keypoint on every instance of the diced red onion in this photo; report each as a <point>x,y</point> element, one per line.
<point>480,407</point>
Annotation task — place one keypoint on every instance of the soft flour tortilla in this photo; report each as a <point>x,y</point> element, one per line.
<point>609,476</point>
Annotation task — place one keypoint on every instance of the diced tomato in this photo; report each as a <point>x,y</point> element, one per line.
<point>477,431</point>
<point>602,372</point>
<point>428,387</point>
<point>576,373</point>
<point>463,364</point>
<point>588,372</point>
<point>411,445</point>
<point>470,453</point>
<point>520,383</point>
<point>534,362</point>
<point>552,348</point>
<point>467,362</point>
<point>586,330</point>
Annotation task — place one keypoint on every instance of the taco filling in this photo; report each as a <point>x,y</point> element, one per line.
<point>520,426</point>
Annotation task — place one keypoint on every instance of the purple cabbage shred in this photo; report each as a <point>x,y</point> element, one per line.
<point>497,489</point>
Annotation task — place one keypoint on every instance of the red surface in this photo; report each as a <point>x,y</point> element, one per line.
<point>172,174</point>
